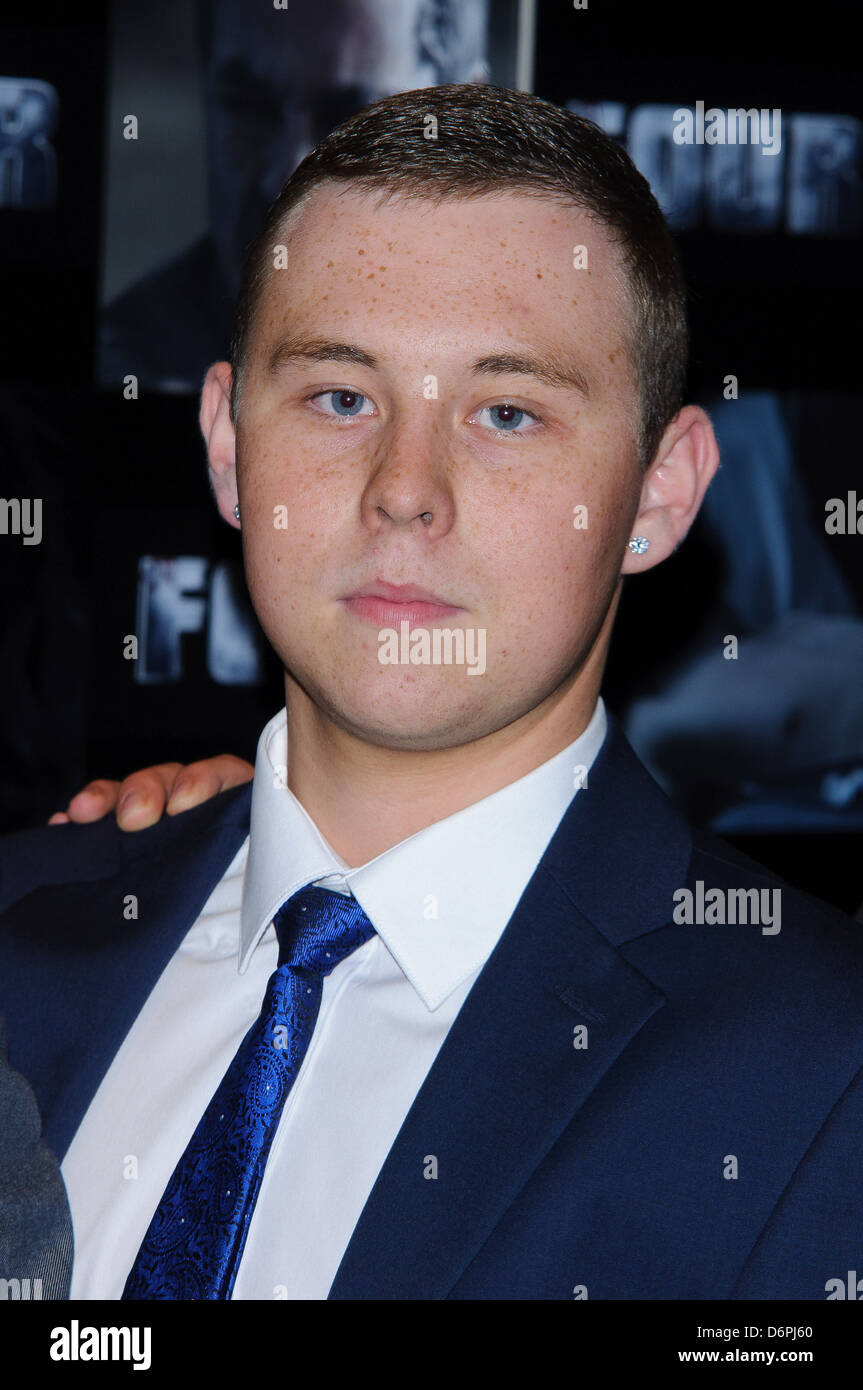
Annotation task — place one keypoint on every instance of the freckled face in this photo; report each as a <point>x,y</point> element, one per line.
<point>443,392</point>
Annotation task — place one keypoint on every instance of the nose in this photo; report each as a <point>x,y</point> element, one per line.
<point>409,482</point>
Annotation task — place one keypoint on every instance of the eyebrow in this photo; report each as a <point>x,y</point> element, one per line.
<point>546,367</point>
<point>318,350</point>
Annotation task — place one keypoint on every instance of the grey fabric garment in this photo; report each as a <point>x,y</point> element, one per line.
<point>35,1221</point>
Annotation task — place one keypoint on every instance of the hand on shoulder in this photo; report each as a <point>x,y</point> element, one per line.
<point>145,796</point>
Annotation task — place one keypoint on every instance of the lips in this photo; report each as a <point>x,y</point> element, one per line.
<point>389,604</point>
<point>400,593</point>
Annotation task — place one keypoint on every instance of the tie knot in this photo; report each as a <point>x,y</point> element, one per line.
<point>317,928</point>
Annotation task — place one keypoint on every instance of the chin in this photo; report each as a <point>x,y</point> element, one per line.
<point>406,719</point>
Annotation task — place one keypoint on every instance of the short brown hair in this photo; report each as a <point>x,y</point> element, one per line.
<point>490,139</point>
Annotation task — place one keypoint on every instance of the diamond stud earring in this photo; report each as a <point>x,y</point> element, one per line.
<point>639,544</point>
<point>237,512</point>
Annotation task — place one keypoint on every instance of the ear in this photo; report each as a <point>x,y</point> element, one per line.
<point>674,487</point>
<point>214,418</point>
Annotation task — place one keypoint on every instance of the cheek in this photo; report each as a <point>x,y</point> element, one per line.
<point>559,544</point>
<point>291,503</point>
<point>555,579</point>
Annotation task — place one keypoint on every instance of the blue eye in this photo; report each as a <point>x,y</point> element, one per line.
<point>507,418</point>
<point>345,403</point>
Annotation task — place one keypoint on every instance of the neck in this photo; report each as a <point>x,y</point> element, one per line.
<point>365,798</point>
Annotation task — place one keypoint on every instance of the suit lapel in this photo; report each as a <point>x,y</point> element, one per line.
<point>509,1077</point>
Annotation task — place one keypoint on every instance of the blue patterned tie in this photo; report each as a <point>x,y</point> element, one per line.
<point>193,1247</point>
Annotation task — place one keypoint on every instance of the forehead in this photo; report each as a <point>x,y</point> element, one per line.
<point>509,264</point>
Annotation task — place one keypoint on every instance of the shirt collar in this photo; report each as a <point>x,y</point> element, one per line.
<point>440,899</point>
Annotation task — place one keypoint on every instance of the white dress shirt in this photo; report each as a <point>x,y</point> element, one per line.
<point>439,902</point>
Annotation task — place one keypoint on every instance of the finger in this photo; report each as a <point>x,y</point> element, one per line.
<point>58,818</point>
<point>94,801</point>
<point>199,781</point>
<point>144,795</point>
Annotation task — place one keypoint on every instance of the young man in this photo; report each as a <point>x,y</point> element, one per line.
<point>537,1039</point>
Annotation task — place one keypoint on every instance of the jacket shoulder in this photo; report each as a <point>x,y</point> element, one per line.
<point>722,865</point>
<point>51,855</point>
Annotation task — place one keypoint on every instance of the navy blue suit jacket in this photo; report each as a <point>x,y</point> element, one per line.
<point>564,1171</point>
